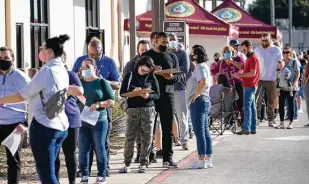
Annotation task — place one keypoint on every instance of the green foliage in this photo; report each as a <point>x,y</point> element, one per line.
<point>261,10</point>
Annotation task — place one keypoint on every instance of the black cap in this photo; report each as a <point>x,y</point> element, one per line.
<point>234,43</point>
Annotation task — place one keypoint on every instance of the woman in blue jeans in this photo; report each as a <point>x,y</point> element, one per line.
<point>46,135</point>
<point>197,96</point>
<point>99,96</point>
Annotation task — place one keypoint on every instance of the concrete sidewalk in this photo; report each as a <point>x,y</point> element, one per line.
<point>153,170</point>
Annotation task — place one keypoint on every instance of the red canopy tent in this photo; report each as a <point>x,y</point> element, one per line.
<point>199,20</point>
<point>249,27</point>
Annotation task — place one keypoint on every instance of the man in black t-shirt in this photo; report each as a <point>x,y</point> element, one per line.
<point>165,105</point>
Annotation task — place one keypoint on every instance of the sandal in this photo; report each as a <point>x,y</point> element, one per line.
<point>290,126</point>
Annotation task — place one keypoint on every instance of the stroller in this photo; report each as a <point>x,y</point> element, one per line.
<point>224,114</point>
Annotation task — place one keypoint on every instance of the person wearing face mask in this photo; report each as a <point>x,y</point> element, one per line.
<point>46,133</point>
<point>99,96</point>
<point>180,90</point>
<point>165,104</point>
<point>107,69</point>
<point>217,57</point>
<point>12,80</point>
<point>268,56</point>
<point>228,65</point>
<point>141,111</point>
<point>142,47</point>
<point>250,79</point>
<point>198,100</point>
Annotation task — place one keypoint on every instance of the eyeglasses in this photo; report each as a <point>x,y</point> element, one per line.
<point>286,52</point>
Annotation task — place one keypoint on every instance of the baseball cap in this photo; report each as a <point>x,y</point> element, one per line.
<point>234,43</point>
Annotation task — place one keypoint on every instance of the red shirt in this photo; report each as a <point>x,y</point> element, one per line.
<point>252,63</point>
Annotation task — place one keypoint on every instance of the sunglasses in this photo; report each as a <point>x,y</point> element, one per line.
<point>286,52</point>
<point>265,41</point>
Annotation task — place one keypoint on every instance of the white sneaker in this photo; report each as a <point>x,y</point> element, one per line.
<point>201,164</point>
<point>209,164</point>
<point>101,180</point>
<point>300,111</point>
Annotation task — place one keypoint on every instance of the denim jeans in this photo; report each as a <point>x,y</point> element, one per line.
<point>200,110</point>
<point>250,112</point>
<point>45,144</point>
<point>95,135</point>
<point>288,110</point>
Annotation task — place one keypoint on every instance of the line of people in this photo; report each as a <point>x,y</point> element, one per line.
<point>151,115</point>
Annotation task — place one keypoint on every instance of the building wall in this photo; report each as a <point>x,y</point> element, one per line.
<point>20,14</point>
<point>79,28</point>
<point>61,21</point>
<point>2,22</point>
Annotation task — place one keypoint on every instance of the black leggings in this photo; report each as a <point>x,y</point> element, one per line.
<point>69,146</point>
<point>283,96</point>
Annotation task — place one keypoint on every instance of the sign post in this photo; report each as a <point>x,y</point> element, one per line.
<point>180,29</point>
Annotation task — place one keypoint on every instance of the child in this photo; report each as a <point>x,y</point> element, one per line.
<point>285,91</point>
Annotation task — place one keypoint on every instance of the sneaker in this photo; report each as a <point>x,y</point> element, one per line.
<point>295,119</point>
<point>243,132</point>
<point>84,180</point>
<point>300,111</point>
<point>142,169</point>
<point>159,154</point>
<point>153,161</point>
<point>290,127</point>
<point>101,180</point>
<point>201,164</point>
<point>177,143</point>
<point>307,125</point>
<point>271,123</point>
<point>209,163</point>
<point>253,131</point>
<point>185,146</point>
<point>170,164</point>
<point>125,170</point>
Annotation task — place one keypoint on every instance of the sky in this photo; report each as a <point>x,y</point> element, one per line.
<point>248,2</point>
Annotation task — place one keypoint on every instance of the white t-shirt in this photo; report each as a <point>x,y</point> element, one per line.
<point>268,59</point>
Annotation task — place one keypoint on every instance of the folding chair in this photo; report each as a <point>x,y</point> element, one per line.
<point>223,115</point>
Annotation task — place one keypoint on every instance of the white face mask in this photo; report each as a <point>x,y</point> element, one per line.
<point>173,44</point>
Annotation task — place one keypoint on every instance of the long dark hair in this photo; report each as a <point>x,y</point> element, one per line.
<point>222,79</point>
<point>201,53</point>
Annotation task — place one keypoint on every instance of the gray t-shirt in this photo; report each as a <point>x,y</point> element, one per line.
<point>200,72</point>
<point>283,76</point>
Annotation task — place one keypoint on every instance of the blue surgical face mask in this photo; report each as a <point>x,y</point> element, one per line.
<point>87,73</point>
<point>228,55</point>
<point>173,44</point>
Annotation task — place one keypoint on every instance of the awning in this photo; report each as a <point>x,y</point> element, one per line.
<point>199,20</point>
<point>249,27</point>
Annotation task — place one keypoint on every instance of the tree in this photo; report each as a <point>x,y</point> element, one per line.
<point>261,10</point>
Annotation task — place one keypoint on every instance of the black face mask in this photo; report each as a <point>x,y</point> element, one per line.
<point>162,48</point>
<point>191,57</point>
<point>216,60</point>
<point>5,65</point>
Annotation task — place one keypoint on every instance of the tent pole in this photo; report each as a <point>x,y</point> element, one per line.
<point>132,29</point>
<point>290,21</point>
<point>214,4</point>
<point>162,15</point>
<point>272,12</point>
<point>155,15</point>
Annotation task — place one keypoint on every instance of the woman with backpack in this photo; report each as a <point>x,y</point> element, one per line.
<point>99,96</point>
<point>46,95</point>
<point>141,111</point>
<point>287,85</point>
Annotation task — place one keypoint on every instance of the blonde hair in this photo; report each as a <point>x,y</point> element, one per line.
<point>228,48</point>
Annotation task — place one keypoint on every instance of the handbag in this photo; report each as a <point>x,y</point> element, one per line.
<point>55,104</point>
